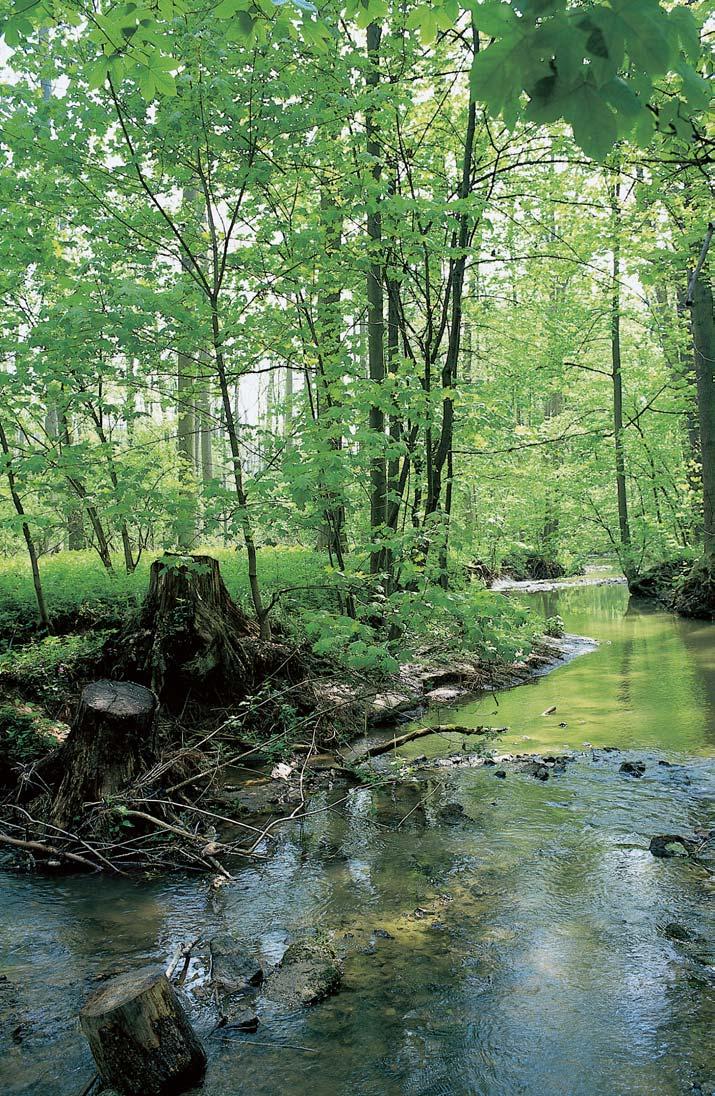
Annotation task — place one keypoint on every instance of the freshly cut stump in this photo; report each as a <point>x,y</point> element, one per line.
<point>110,739</point>
<point>140,1037</point>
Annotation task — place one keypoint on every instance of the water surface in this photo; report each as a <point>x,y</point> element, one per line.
<point>523,945</point>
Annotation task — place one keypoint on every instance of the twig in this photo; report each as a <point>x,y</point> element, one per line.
<point>280,1046</point>
<point>422,732</point>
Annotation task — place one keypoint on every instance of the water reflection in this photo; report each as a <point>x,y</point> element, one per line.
<point>650,683</point>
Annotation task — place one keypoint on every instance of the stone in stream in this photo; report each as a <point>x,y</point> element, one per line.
<point>666,845</point>
<point>232,970</point>
<point>677,932</point>
<point>500,774</point>
<point>537,769</point>
<point>140,1037</point>
<point>451,814</point>
<point>632,768</point>
<point>309,972</point>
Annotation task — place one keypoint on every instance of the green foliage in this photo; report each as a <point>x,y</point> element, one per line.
<point>554,627</point>
<point>25,736</point>
<point>187,355</point>
<point>593,65</point>
<point>349,641</point>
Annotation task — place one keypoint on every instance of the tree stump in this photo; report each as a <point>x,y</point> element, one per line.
<point>140,1037</point>
<point>192,640</point>
<point>110,740</point>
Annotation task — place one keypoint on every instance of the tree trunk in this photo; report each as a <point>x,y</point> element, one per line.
<point>140,1037</point>
<point>110,739</point>
<point>704,346</point>
<point>244,515</point>
<point>375,316</point>
<point>617,382</point>
<point>186,414</point>
<point>31,550</point>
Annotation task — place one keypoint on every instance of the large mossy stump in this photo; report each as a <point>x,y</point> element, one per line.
<point>109,742</point>
<point>140,1036</point>
<point>191,641</point>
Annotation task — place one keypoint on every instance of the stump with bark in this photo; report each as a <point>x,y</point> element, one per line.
<point>140,1037</point>
<point>111,739</point>
<point>192,642</point>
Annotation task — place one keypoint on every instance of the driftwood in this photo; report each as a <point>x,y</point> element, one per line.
<point>140,1037</point>
<point>107,746</point>
<point>423,732</point>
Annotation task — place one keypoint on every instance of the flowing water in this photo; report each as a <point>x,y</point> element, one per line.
<point>522,944</point>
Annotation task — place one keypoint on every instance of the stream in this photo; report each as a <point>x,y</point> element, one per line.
<point>502,937</point>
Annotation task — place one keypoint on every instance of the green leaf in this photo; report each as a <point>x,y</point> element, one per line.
<point>593,122</point>
<point>493,17</point>
<point>688,32</point>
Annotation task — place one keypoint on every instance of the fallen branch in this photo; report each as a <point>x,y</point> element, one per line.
<point>186,834</point>
<point>423,732</point>
<point>47,850</point>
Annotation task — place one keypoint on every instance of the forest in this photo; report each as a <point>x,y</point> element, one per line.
<point>357,360</point>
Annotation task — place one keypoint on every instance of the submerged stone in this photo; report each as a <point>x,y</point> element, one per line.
<point>308,973</point>
<point>451,814</point>
<point>232,970</point>
<point>677,932</point>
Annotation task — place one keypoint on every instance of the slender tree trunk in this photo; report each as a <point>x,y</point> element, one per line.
<point>186,417</point>
<point>617,383</point>
<point>330,369</point>
<point>237,466</point>
<point>102,544</point>
<point>703,323</point>
<point>395,424</point>
<point>206,433</point>
<point>444,453</point>
<point>375,311</point>
<point>27,534</point>
<point>288,408</point>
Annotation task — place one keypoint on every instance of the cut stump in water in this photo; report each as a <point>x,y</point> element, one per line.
<point>111,738</point>
<point>140,1037</point>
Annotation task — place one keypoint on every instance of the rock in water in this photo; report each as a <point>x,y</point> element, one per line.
<point>632,768</point>
<point>308,973</point>
<point>666,845</point>
<point>451,814</point>
<point>140,1037</point>
<point>231,969</point>
<point>677,932</point>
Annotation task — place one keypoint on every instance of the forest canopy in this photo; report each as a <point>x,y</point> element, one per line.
<point>414,292</point>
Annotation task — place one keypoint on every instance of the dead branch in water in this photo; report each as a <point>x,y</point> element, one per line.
<point>48,850</point>
<point>423,732</point>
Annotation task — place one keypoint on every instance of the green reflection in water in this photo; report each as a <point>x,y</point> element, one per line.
<point>650,683</point>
